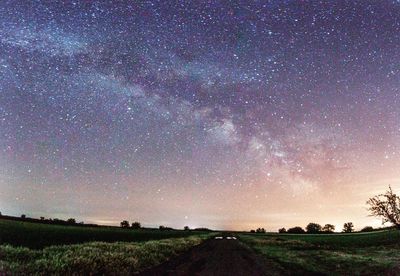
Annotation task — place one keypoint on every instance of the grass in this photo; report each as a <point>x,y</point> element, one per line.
<point>38,236</point>
<point>333,254</point>
<point>122,258</point>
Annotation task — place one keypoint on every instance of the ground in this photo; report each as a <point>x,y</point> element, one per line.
<point>34,248</point>
<point>217,257</point>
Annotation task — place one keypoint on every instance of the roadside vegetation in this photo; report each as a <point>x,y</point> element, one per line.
<point>119,258</point>
<point>338,254</point>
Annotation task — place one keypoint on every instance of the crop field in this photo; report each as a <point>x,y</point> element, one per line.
<point>34,248</point>
<point>332,254</point>
<point>37,235</point>
<point>120,258</point>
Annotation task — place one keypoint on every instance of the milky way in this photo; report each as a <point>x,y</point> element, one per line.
<point>224,115</point>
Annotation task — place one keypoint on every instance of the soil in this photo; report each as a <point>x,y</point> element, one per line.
<point>217,257</point>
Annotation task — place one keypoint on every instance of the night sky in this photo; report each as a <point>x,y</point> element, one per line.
<point>227,115</point>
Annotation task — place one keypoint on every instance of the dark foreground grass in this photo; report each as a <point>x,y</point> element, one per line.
<point>37,235</point>
<point>119,258</point>
<point>373,253</point>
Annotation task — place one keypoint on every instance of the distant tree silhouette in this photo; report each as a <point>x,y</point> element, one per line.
<point>348,227</point>
<point>125,224</point>
<point>252,231</point>
<point>313,228</point>
<point>367,229</point>
<point>260,230</point>
<point>386,206</point>
<point>282,230</point>
<point>199,229</point>
<point>296,230</point>
<point>0,214</point>
<point>328,228</point>
<point>42,218</point>
<point>71,221</point>
<point>161,227</point>
<point>186,228</point>
<point>136,225</point>
<point>23,216</point>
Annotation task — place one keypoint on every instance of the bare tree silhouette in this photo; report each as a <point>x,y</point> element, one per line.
<point>386,206</point>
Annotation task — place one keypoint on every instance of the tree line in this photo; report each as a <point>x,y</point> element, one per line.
<point>385,206</point>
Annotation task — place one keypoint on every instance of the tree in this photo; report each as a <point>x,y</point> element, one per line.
<point>348,227</point>
<point>387,207</point>
<point>186,228</point>
<point>42,218</point>
<point>260,230</point>
<point>367,229</point>
<point>136,225</point>
<point>328,228</point>
<point>282,230</point>
<point>71,221</point>
<point>23,216</point>
<point>125,224</point>
<point>313,228</point>
<point>296,230</point>
<point>252,231</point>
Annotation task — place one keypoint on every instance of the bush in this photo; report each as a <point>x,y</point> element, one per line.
<point>282,230</point>
<point>367,229</point>
<point>296,230</point>
<point>260,230</point>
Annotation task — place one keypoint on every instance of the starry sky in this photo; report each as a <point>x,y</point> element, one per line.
<point>219,114</point>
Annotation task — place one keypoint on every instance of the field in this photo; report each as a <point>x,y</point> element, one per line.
<point>37,235</point>
<point>34,248</point>
<point>332,254</point>
<point>29,248</point>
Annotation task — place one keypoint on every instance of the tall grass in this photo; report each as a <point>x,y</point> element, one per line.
<point>120,258</point>
<point>341,254</point>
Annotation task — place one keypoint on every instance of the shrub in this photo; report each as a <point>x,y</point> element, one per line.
<point>296,230</point>
<point>367,229</point>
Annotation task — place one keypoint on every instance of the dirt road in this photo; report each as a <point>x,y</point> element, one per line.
<point>216,257</point>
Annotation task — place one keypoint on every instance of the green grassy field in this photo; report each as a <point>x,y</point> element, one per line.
<point>331,254</point>
<point>37,235</point>
<point>42,249</point>
<point>119,258</point>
